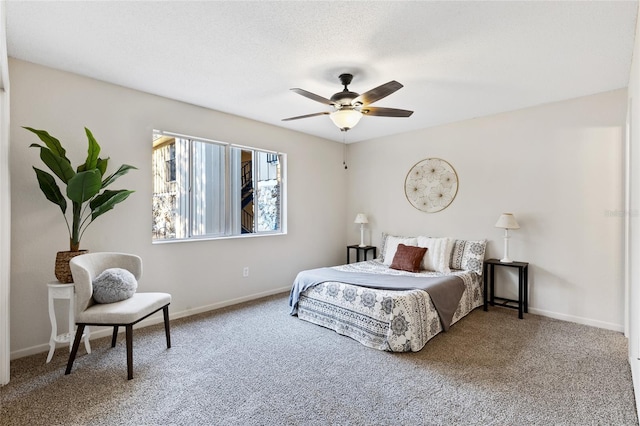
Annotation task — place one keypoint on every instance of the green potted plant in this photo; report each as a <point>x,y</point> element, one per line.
<point>85,189</point>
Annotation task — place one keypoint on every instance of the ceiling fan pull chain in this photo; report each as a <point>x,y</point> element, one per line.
<point>344,150</point>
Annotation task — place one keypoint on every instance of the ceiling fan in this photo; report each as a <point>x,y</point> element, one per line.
<point>350,106</point>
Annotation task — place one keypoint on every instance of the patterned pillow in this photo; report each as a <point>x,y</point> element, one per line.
<point>383,244</point>
<point>114,285</point>
<point>408,258</point>
<point>468,255</point>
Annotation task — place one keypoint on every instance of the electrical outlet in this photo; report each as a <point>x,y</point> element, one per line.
<point>245,271</point>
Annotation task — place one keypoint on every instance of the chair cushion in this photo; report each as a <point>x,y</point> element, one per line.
<point>114,285</point>
<point>126,311</point>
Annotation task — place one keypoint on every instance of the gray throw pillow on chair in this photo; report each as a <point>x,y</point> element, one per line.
<point>114,285</point>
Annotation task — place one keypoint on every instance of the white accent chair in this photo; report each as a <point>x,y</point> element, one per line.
<point>84,269</point>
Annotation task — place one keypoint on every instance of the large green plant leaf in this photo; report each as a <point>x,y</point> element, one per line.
<point>84,185</point>
<point>93,152</point>
<point>106,201</point>
<point>58,165</point>
<point>124,169</point>
<point>102,165</point>
<point>50,189</point>
<point>52,143</point>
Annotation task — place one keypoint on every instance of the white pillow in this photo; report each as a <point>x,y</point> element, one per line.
<point>438,253</point>
<point>391,246</point>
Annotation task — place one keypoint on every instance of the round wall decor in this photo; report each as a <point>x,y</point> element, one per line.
<point>431,185</point>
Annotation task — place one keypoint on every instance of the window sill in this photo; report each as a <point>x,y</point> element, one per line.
<point>225,237</point>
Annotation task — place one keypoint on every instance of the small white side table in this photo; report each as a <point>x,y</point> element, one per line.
<point>58,290</point>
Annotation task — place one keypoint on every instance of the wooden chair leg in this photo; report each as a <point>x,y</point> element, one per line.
<point>165,312</point>
<point>129,333</point>
<point>74,349</point>
<point>115,336</point>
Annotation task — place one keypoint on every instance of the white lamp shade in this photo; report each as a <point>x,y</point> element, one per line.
<point>507,221</point>
<point>345,118</point>
<point>361,218</point>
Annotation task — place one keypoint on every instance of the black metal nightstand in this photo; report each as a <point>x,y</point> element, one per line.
<point>523,286</point>
<point>364,250</point>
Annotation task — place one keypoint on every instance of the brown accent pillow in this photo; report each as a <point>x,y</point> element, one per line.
<point>408,258</point>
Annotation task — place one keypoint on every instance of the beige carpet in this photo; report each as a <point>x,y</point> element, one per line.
<point>253,364</point>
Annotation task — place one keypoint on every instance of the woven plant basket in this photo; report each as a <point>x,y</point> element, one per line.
<point>63,271</point>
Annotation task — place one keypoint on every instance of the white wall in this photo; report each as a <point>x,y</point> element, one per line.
<point>199,275</point>
<point>633,209</point>
<point>557,167</point>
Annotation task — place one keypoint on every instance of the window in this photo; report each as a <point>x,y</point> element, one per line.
<point>211,189</point>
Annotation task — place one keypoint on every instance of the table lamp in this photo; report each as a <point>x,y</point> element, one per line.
<point>507,221</point>
<point>361,218</point>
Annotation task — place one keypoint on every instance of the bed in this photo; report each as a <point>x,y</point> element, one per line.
<point>396,320</point>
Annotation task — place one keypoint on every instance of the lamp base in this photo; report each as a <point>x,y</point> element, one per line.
<point>505,258</point>
<point>362,244</point>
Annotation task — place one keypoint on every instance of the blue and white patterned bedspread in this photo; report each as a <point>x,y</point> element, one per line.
<point>389,320</point>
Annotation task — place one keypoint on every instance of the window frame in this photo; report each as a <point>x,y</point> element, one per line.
<point>230,222</point>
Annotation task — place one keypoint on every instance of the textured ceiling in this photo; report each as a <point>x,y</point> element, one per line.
<point>457,60</point>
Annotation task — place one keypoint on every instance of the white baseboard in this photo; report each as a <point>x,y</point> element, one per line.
<point>578,320</point>
<point>154,319</point>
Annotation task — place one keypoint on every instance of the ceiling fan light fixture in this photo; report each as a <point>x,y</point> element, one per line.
<point>345,118</point>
